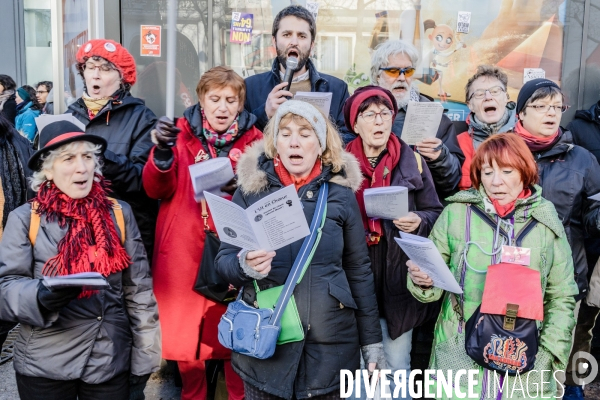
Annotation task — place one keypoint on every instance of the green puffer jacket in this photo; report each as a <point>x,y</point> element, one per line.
<point>550,254</point>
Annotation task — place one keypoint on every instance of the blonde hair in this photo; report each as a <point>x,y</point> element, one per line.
<point>332,155</point>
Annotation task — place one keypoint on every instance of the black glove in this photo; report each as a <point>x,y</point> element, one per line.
<point>137,384</point>
<point>165,133</point>
<point>230,186</point>
<point>56,299</point>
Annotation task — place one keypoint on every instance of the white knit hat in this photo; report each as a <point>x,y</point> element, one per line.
<point>306,111</point>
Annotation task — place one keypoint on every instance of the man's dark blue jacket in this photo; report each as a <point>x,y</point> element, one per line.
<point>259,86</point>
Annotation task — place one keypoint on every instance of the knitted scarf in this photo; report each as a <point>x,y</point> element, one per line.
<point>380,176</point>
<point>216,139</point>
<point>4,96</point>
<point>288,179</point>
<point>536,143</point>
<point>14,186</point>
<point>91,243</point>
<point>94,105</point>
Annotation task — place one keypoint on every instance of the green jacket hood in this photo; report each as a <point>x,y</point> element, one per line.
<point>534,206</point>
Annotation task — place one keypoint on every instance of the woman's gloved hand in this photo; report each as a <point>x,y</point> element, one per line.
<point>374,356</point>
<point>137,384</point>
<point>164,134</point>
<point>230,186</point>
<point>56,299</point>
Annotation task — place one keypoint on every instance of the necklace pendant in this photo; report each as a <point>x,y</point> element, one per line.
<point>201,156</point>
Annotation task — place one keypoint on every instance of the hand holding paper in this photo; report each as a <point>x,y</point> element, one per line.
<point>210,176</point>
<point>269,224</point>
<point>423,252</point>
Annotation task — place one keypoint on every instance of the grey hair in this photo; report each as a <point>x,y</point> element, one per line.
<point>47,161</point>
<point>385,50</point>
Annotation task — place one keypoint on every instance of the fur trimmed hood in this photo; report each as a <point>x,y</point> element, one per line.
<point>253,180</point>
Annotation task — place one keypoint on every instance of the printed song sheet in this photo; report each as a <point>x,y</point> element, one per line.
<point>320,100</point>
<point>269,224</point>
<point>210,176</point>
<point>424,253</point>
<point>390,202</point>
<point>422,121</point>
<point>85,280</point>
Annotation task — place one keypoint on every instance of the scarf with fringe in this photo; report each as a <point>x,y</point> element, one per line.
<point>91,243</point>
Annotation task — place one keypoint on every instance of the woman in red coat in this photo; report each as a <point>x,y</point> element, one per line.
<point>216,127</point>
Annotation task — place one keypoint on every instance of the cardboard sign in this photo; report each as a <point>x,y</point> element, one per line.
<point>150,36</point>
<point>241,28</point>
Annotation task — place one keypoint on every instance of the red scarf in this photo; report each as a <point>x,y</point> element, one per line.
<point>536,143</point>
<point>288,179</point>
<point>380,176</point>
<point>504,210</point>
<point>91,243</point>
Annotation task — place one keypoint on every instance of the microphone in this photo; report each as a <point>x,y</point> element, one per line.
<point>291,65</point>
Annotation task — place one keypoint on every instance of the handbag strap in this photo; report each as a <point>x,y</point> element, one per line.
<point>205,214</point>
<point>458,305</point>
<point>304,257</point>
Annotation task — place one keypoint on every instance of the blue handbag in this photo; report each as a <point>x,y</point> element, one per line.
<point>254,331</point>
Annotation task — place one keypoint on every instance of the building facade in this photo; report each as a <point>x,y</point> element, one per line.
<point>558,39</point>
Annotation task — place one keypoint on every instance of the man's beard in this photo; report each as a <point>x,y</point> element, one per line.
<point>402,100</point>
<point>302,57</point>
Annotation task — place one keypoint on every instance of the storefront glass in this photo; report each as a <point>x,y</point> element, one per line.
<point>144,34</point>
<point>38,40</point>
<point>452,37</point>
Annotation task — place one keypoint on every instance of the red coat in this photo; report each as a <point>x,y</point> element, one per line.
<point>188,320</point>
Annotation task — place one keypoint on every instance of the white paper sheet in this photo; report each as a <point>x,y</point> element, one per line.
<point>390,202</point>
<point>85,280</point>
<point>210,176</point>
<point>424,253</point>
<point>269,224</point>
<point>321,100</point>
<point>422,121</point>
<point>46,119</point>
<point>595,197</point>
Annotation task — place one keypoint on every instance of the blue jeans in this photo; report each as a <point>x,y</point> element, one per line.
<point>397,356</point>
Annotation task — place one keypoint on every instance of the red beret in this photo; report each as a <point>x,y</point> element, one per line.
<point>110,51</point>
<point>361,94</point>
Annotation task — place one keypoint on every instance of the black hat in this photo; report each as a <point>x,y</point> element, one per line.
<point>57,134</point>
<point>529,88</point>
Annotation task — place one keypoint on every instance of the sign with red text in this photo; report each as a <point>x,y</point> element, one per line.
<point>241,28</point>
<point>150,36</point>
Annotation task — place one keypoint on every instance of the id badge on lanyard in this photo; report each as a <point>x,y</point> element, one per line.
<point>514,254</point>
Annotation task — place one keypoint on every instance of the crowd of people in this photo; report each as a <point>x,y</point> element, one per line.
<point>116,198</point>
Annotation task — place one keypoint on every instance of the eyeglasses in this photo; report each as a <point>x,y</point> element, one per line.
<point>41,91</point>
<point>480,93</point>
<point>102,67</point>
<point>394,72</point>
<point>385,115</point>
<point>544,108</point>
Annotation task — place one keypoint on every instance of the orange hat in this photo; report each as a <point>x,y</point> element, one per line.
<point>113,52</point>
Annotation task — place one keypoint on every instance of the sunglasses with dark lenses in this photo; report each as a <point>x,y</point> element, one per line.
<point>396,72</point>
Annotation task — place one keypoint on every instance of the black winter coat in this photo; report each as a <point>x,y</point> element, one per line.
<point>401,310</point>
<point>569,174</point>
<point>585,129</point>
<point>125,123</point>
<point>446,170</point>
<point>336,298</point>
<point>9,111</point>
<point>259,86</point>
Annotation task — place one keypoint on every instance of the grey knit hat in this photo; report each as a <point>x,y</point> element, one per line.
<point>306,111</point>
